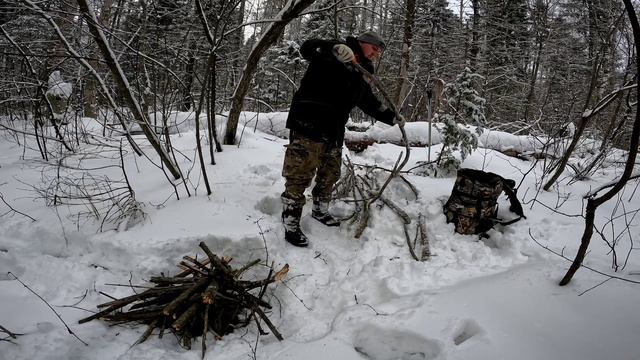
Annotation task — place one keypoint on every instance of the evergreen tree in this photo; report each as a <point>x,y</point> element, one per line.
<point>278,75</point>
<point>319,25</point>
<point>436,52</point>
<point>463,109</point>
<point>505,27</point>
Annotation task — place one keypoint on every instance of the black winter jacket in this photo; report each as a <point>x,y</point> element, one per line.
<point>329,91</point>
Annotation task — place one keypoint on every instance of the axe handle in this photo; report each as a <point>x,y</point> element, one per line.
<point>374,80</point>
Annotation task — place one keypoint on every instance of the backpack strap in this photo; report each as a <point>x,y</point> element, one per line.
<point>516,207</point>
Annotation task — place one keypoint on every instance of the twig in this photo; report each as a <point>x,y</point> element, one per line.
<point>74,305</point>
<point>410,185</point>
<point>581,265</point>
<point>264,318</point>
<point>147,333</point>
<point>205,329</point>
<point>10,333</point>
<point>50,307</point>
<point>14,210</point>
<point>196,262</point>
<point>186,272</point>
<point>408,238</point>
<point>296,295</point>
<point>395,170</point>
<point>215,260</point>
<point>266,250</point>
<point>240,271</point>
<point>595,191</point>
<point>186,266</point>
<point>169,309</point>
<point>107,295</point>
<point>374,310</point>
<point>401,213</point>
<point>593,287</point>
<point>534,200</point>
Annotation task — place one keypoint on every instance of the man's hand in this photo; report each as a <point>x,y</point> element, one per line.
<point>343,53</point>
<point>399,120</point>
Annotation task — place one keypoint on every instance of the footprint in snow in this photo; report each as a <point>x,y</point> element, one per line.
<point>9,263</point>
<point>270,205</point>
<point>466,330</point>
<point>375,343</point>
<point>266,175</point>
<point>45,327</point>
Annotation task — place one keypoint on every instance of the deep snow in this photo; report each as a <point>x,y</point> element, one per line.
<point>344,298</point>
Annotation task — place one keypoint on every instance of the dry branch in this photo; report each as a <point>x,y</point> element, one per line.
<point>359,187</point>
<point>594,202</point>
<point>208,296</point>
<point>424,240</point>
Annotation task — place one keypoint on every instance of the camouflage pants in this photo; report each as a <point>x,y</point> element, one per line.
<point>305,159</point>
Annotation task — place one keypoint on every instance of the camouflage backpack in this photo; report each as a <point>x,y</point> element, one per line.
<point>473,204</point>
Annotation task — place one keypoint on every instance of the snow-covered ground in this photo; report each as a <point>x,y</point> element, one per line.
<point>344,298</point>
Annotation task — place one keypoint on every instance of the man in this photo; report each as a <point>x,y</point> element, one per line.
<point>329,90</point>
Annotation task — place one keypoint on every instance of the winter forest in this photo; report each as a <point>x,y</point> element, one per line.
<point>137,135</point>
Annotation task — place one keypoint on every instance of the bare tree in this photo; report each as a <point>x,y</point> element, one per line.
<point>595,201</point>
<point>587,115</point>
<point>293,9</point>
<point>125,88</point>
<point>402,85</point>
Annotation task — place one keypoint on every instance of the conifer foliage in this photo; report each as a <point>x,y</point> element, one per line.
<point>462,121</point>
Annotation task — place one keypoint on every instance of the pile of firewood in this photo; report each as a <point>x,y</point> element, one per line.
<point>208,296</point>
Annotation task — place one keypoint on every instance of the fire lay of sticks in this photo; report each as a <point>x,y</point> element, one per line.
<point>207,297</point>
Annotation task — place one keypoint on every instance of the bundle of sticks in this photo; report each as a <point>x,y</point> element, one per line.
<point>208,296</point>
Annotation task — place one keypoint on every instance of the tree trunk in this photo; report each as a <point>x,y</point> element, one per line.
<point>124,87</point>
<point>403,76</point>
<point>475,38</point>
<point>532,83</point>
<point>270,36</point>
<point>189,69</point>
<point>87,66</point>
<point>582,125</point>
<point>90,90</point>
<point>363,16</point>
<point>237,38</point>
<point>211,109</point>
<point>593,202</point>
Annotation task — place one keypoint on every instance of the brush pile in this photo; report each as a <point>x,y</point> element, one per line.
<point>208,296</point>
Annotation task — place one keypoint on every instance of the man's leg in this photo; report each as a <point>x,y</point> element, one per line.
<point>327,176</point>
<point>300,163</point>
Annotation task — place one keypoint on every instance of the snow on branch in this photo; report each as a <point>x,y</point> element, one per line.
<point>602,104</point>
<point>595,191</point>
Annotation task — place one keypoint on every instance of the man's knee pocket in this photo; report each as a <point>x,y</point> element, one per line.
<point>298,162</point>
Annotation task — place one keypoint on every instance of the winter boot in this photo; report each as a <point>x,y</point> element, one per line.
<point>291,221</point>
<point>320,212</point>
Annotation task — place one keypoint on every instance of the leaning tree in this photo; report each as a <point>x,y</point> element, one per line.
<point>593,200</point>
